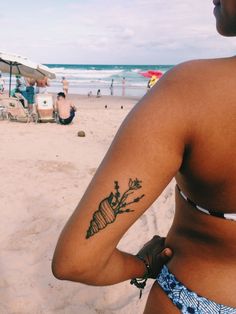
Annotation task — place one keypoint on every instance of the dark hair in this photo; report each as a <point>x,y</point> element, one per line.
<point>61,94</point>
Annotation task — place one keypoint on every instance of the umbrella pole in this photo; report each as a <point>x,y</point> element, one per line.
<point>10,79</point>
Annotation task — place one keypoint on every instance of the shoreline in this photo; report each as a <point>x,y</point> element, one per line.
<point>93,102</point>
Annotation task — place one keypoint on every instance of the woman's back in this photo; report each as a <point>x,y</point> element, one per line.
<point>208,173</point>
<point>204,245</point>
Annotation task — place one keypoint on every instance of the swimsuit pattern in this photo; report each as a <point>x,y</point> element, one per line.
<point>186,300</point>
<point>212,212</point>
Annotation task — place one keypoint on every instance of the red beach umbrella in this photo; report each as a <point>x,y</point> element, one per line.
<point>151,73</point>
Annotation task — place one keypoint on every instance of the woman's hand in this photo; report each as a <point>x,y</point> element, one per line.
<point>156,254</point>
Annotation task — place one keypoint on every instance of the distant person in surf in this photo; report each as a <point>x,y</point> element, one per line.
<point>112,87</point>
<point>123,86</point>
<point>65,109</point>
<point>99,93</point>
<point>65,85</point>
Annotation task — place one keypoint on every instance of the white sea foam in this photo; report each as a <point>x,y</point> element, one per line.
<point>79,73</point>
<point>136,70</point>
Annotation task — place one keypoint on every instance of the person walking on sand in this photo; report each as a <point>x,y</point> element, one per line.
<point>65,85</point>
<point>65,109</point>
<point>185,127</point>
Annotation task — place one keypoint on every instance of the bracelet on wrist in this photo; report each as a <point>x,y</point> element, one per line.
<point>140,283</point>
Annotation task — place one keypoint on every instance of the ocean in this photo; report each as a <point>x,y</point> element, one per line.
<point>85,78</point>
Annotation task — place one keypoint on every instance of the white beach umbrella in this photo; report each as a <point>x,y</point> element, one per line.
<point>46,71</point>
<point>15,64</point>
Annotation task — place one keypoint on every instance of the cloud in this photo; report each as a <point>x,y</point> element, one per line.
<point>127,33</point>
<point>98,31</point>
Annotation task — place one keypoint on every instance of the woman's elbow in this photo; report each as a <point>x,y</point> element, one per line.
<point>63,267</point>
<point>59,270</point>
<point>71,269</point>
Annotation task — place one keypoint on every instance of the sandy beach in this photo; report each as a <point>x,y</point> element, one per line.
<point>45,168</point>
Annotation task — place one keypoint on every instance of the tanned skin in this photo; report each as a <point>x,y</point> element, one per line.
<point>185,127</point>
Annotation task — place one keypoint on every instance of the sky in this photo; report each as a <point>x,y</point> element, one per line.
<point>112,31</point>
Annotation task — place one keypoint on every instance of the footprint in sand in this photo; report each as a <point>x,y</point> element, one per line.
<point>29,234</point>
<point>55,166</point>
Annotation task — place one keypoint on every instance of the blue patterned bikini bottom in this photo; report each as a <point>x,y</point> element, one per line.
<point>186,300</point>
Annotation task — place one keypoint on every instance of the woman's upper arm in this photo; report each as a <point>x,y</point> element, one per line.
<point>144,156</point>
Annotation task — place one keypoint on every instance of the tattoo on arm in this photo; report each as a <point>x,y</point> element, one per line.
<point>112,206</point>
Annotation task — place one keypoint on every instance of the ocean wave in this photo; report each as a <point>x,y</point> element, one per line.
<point>80,73</point>
<point>101,83</point>
<point>93,77</point>
<point>136,70</point>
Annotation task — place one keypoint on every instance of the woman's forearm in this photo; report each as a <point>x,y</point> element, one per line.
<point>119,267</point>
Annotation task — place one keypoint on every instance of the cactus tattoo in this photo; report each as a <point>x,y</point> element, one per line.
<point>112,206</point>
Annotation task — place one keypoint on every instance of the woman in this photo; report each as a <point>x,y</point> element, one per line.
<point>185,127</point>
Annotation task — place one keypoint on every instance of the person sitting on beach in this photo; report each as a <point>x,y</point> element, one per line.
<point>185,127</point>
<point>20,90</point>
<point>65,85</point>
<point>41,85</point>
<point>21,85</point>
<point>2,84</point>
<point>65,109</point>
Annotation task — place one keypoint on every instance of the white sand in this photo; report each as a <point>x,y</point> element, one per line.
<point>45,169</point>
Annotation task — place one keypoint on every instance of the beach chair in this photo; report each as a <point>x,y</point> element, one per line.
<point>3,109</point>
<point>15,110</point>
<point>3,112</point>
<point>45,108</point>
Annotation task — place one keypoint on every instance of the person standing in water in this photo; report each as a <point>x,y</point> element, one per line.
<point>112,87</point>
<point>123,86</point>
<point>65,85</point>
<point>185,127</point>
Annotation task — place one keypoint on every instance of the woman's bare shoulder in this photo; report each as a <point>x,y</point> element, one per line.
<point>200,67</point>
<point>198,83</point>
